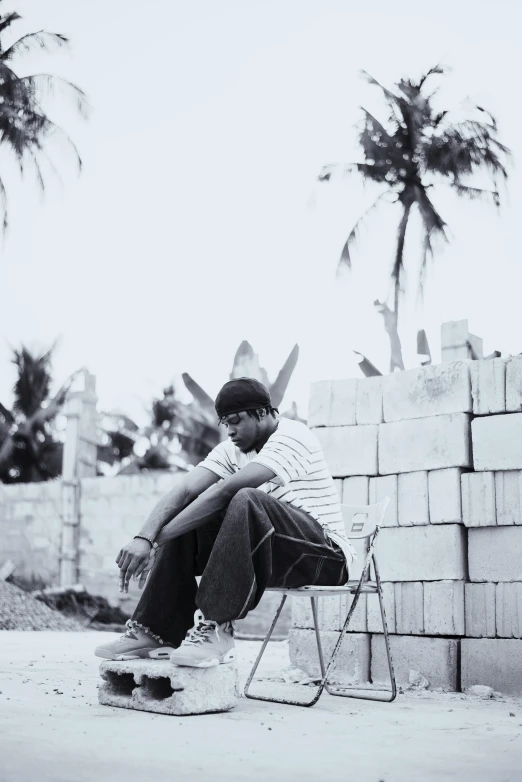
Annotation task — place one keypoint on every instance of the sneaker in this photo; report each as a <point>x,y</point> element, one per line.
<point>135,644</point>
<point>206,645</point>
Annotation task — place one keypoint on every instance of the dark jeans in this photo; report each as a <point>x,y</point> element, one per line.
<point>257,542</point>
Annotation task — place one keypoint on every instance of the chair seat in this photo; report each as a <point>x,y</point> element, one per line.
<point>368,587</point>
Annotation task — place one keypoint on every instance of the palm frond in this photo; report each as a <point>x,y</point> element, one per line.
<point>476,193</point>
<point>345,259</point>
<point>280,384</point>
<point>4,206</point>
<point>7,20</point>
<point>434,227</point>
<point>38,40</point>
<point>47,85</point>
<point>32,385</point>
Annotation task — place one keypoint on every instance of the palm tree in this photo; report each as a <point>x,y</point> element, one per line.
<point>25,127</point>
<point>414,149</point>
<point>29,450</point>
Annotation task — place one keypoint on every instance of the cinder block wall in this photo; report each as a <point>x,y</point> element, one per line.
<point>30,529</point>
<point>112,511</point>
<point>445,443</point>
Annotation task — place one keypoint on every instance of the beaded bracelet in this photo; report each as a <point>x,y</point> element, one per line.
<point>142,537</point>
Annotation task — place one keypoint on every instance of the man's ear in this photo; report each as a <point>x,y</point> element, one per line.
<point>261,413</point>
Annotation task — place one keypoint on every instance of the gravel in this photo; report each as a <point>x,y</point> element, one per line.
<point>21,611</point>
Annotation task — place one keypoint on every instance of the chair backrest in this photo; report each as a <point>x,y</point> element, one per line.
<point>361,521</point>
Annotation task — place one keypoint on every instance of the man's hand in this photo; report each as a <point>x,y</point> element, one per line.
<point>133,558</point>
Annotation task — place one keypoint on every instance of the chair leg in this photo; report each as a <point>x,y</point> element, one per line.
<point>351,692</point>
<point>258,660</point>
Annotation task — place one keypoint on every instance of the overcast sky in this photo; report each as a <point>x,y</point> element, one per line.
<point>196,222</point>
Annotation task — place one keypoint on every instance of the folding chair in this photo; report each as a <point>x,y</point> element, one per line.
<point>361,521</point>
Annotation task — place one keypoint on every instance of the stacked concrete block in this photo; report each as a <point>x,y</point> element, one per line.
<point>434,658</point>
<point>431,443</point>
<point>480,618</point>
<point>368,409</point>
<point>429,553</point>
<point>331,613</point>
<point>508,610</point>
<point>373,610</point>
<point>342,406</point>
<point>514,385</point>
<point>496,442</point>
<point>409,608</point>
<point>495,554</point>
<point>488,386</point>
<point>444,496</point>
<point>508,497</point>
<point>386,486</point>
<point>444,608</point>
<point>496,662</point>
<point>427,392</point>
<point>478,499</point>
<point>352,665</point>
<point>413,503</point>
<point>350,450</point>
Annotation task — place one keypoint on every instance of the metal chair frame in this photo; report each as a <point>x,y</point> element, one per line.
<point>355,530</point>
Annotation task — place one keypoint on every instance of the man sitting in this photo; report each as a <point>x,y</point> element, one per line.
<point>260,511</point>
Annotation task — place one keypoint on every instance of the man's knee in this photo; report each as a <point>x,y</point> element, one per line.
<point>245,495</point>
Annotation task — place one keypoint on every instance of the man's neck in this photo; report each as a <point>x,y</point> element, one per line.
<point>272,425</point>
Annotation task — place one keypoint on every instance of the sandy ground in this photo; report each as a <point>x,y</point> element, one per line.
<point>52,729</point>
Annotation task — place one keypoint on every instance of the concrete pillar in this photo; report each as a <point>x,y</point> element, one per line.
<point>79,461</point>
<point>458,343</point>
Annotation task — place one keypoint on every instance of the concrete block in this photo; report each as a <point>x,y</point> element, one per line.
<point>328,613</point>
<point>488,386</point>
<point>495,554</point>
<point>331,613</point>
<point>409,608</point>
<point>425,444</point>
<point>342,408</point>
<point>495,662</point>
<point>434,390</point>
<point>160,687</point>
<point>385,486</point>
<point>479,604</point>
<point>497,442</point>
<point>514,384</point>
<point>338,483</point>
<point>319,403</point>
<point>353,661</point>
<point>356,490</point>
<point>444,493</point>
<point>432,553</point>
<point>368,408</point>
<point>444,608</point>
<point>508,605</point>
<point>478,499</point>
<point>350,450</point>
<point>413,498</point>
<point>508,497</point>
<point>434,658</point>
<point>373,611</point>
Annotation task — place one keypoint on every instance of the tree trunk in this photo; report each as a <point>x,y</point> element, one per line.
<point>390,324</point>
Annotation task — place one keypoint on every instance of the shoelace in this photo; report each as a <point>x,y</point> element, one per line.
<point>201,633</point>
<point>130,632</point>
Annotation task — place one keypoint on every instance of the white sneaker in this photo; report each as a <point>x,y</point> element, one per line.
<point>206,645</point>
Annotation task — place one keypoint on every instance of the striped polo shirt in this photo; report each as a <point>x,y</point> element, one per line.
<point>302,479</point>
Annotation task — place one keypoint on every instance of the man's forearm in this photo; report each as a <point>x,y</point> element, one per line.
<point>166,509</point>
<point>199,512</point>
